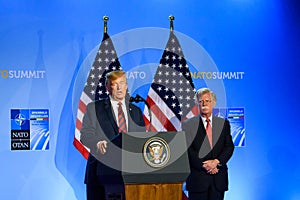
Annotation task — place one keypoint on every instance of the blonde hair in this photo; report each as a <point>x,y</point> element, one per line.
<point>113,75</point>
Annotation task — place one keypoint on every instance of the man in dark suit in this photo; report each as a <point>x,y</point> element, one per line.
<point>102,122</point>
<point>210,147</point>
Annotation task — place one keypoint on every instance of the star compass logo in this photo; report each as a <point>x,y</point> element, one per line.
<point>20,119</point>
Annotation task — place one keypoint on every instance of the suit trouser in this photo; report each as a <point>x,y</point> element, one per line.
<point>95,192</point>
<point>211,194</point>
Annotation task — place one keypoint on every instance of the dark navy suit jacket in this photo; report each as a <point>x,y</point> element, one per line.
<point>98,124</point>
<point>199,150</point>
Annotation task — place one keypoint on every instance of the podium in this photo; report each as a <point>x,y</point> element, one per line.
<point>148,165</point>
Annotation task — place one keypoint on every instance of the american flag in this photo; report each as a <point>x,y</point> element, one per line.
<point>171,95</point>
<point>106,61</point>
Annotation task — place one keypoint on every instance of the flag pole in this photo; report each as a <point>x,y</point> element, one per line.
<point>105,19</point>
<point>171,18</point>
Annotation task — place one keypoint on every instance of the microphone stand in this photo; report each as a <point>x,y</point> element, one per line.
<point>138,99</point>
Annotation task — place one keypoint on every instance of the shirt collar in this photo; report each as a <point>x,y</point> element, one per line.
<point>115,102</point>
<point>204,118</point>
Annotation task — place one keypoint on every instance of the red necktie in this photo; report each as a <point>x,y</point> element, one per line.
<point>209,132</point>
<point>121,119</point>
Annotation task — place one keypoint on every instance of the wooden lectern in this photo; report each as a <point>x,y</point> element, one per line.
<point>157,191</point>
<point>153,166</point>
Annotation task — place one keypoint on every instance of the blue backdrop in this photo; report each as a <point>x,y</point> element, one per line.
<point>47,48</point>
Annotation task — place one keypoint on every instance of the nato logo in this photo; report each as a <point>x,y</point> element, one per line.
<point>19,119</point>
<point>29,129</point>
<point>20,132</point>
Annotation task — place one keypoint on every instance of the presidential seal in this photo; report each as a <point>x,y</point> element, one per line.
<point>156,152</point>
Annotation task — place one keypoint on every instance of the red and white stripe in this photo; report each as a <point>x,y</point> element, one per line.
<point>163,118</point>
<point>84,100</point>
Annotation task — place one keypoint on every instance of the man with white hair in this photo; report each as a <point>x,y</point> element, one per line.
<point>210,146</point>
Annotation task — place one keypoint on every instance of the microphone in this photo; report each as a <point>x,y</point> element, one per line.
<point>137,99</point>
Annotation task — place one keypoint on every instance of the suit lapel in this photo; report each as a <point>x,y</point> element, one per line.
<point>129,110</point>
<point>110,115</point>
<point>217,129</point>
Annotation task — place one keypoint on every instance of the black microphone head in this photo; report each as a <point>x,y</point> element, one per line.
<point>136,99</point>
<point>131,99</point>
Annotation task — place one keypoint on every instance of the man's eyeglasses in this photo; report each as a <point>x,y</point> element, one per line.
<point>206,101</point>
